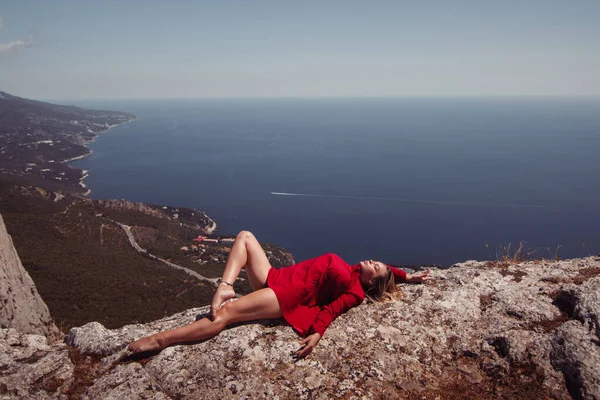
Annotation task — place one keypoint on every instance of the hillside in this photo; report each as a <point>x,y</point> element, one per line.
<point>86,269</point>
<point>37,138</point>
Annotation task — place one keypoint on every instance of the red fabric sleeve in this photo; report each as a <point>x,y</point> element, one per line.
<point>399,275</point>
<point>332,310</point>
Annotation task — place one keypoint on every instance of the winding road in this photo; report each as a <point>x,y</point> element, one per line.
<point>136,246</point>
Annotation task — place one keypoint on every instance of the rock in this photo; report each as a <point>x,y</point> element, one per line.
<point>22,308</point>
<point>29,368</point>
<point>588,306</point>
<point>93,338</point>
<point>575,345</point>
<point>126,382</point>
<point>478,331</point>
<point>577,357</point>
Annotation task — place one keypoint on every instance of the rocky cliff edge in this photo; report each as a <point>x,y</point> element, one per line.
<point>480,330</point>
<point>21,306</point>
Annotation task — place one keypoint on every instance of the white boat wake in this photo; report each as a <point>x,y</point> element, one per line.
<point>418,201</point>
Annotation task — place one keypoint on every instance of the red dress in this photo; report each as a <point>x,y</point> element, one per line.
<point>314,292</point>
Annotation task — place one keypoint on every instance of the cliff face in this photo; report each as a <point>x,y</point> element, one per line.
<point>479,331</point>
<point>22,307</point>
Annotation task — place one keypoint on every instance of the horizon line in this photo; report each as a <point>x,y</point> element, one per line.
<point>332,97</point>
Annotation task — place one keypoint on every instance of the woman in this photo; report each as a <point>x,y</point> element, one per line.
<point>309,295</point>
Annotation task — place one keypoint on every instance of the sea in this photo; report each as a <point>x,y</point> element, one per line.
<point>406,181</point>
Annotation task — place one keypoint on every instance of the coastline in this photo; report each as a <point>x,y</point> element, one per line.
<point>85,173</point>
<point>83,185</point>
<point>212,228</point>
<point>78,157</point>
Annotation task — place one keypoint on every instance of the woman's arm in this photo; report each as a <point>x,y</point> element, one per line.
<point>327,314</point>
<point>332,310</point>
<point>418,277</point>
<point>401,276</point>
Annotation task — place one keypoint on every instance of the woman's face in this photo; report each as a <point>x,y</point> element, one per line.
<point>371,270</point>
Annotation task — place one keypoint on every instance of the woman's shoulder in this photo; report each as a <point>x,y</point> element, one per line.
<point>326,259</point>
<point>332,263</point>
<point>333,257</point>
<point>344,275</point>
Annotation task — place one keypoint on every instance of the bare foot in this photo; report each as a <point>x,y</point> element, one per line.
<point>150,343</point>
<point>222,294</point>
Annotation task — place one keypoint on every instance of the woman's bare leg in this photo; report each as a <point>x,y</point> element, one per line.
<point>246,252</point>
<point>261,304</point>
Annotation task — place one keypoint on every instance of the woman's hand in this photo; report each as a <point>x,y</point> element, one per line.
<point>418,277</point>
<point>223,293</point>
<point>308,344</point>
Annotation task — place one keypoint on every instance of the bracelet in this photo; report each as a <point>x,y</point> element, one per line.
<point>219,281</point>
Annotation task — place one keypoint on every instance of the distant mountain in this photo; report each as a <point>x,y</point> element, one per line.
<point>38,138</point>
<point>15,110</point>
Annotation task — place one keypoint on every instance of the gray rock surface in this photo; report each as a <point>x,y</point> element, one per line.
<point>30,368</point>
<point>21,306</point>
<point>479,331</point>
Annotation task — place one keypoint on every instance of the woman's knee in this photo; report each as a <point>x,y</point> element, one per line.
<point>220,322</point>
<point>225,315</point>
<point>247,237</point>
<point>244,235</point>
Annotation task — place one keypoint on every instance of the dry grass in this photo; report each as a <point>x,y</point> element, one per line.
<point>510,255</point>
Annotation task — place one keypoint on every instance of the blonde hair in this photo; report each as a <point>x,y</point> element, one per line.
<point>384,289</point>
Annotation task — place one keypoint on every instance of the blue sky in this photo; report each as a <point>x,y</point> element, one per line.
<point>180,49</point>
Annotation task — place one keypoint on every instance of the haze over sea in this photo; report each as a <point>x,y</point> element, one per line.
<point>406,181</point>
